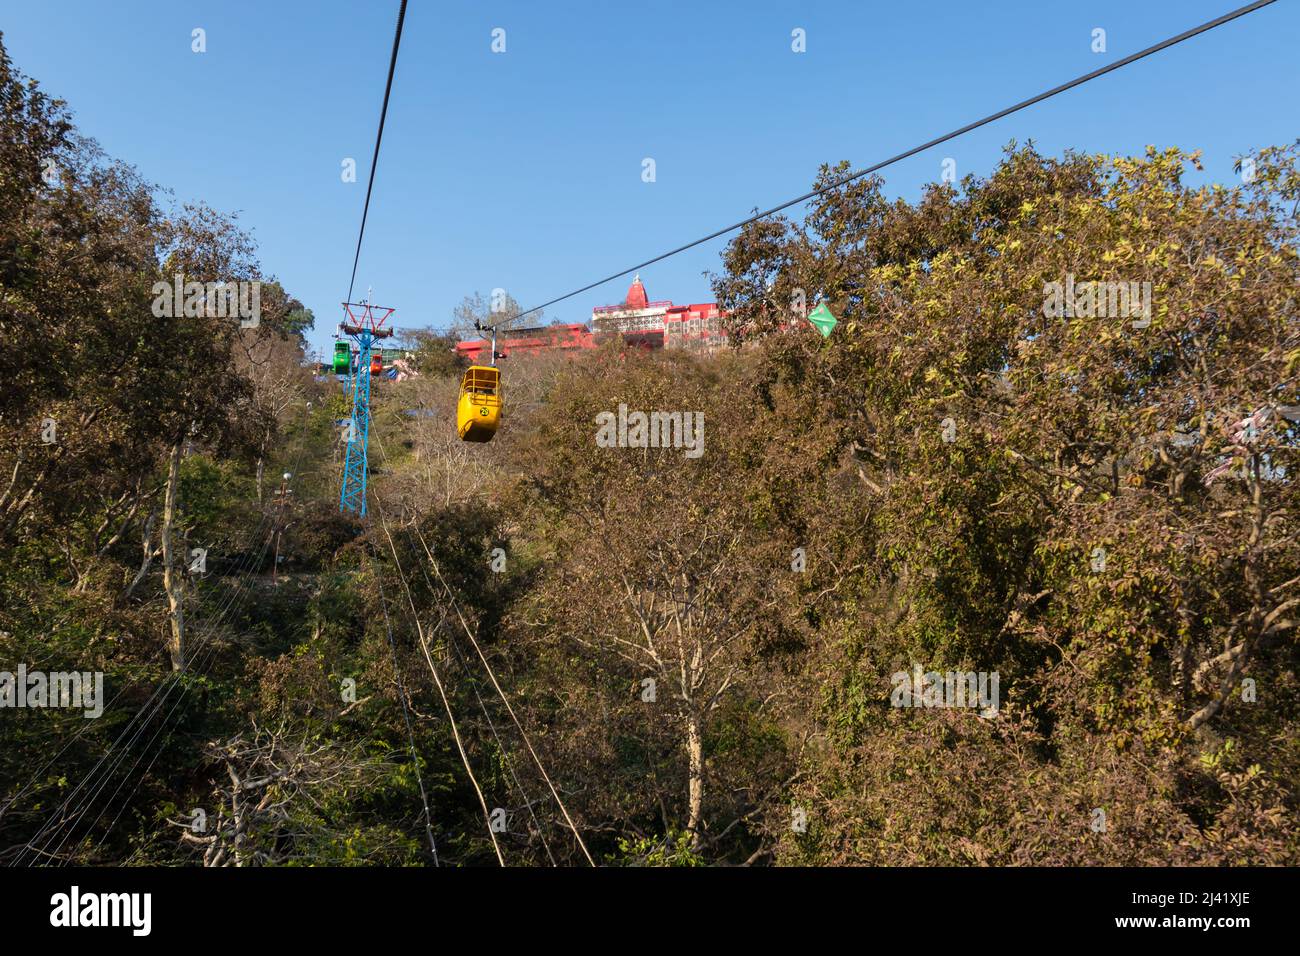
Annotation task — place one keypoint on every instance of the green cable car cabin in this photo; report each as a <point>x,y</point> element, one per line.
<point>342,358</point>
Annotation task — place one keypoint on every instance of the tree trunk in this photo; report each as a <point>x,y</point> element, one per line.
<point>171,572</point>
<point>695,752</point>
<point>259,479</point>
<point>146,559</point>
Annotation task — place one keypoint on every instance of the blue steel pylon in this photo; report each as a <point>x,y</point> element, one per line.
<point>363,329</point>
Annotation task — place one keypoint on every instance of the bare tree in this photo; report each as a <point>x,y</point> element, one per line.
<point>274,780</point>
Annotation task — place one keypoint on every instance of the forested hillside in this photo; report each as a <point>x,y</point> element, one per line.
<point>545,651</point>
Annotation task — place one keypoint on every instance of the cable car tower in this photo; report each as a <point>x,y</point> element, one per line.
<point>364,325</point>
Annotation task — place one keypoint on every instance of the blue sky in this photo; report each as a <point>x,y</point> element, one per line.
<point>523,170</point>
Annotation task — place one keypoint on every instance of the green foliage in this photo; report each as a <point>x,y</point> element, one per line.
<point>674,849</point>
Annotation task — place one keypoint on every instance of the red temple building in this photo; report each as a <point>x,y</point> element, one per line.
<point>659,324</point>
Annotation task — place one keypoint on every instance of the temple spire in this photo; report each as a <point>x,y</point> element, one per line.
<point>636,295</point>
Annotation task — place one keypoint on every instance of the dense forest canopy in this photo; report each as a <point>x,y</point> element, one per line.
<point>1050,444</point>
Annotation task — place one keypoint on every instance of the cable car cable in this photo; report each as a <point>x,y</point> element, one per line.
<point>509,709</point>
<point>424,646</point>
<point>379,136</point>
<point>492,676</point>
<point>462,659</point>
<point>509,760</point>
<point>74,738</point>
<point>202,651</point>
<point>406,717</point>
<point>850,177</point>
<point>74,805</point>
<point>201,657</point>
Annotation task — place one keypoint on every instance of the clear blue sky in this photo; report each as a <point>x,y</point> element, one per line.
<point>522,170</point>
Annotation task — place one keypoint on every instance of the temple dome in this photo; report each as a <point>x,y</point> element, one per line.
<point>636,297</point>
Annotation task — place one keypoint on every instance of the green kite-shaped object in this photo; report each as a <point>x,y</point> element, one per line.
<point>823,318</point>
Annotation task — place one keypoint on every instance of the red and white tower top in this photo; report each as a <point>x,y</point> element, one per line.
<point>636,297</point>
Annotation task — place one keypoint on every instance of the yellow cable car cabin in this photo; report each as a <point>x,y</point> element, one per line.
<point>479,410</point>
